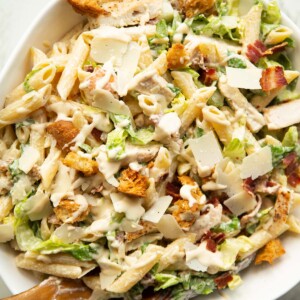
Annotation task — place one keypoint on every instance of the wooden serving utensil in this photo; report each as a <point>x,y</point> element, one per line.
<point>55,288</point>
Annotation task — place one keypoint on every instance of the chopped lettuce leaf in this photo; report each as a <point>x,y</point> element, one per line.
<point>235,150</point>
<point>161,29</point>
<point>199,132</point>
<point>160,42</point>
<point>14,170</point>
<point>271,13</point>
<point>278,153</point>
<point>27,87</point>
<point>226,27</point>
<point>287,94</point>
<point>236,62</point>
<point>116,143</point>
<point>86,148</point>
<point>143,136</point>
<point>176,90</point>
<point>26,122</point>
<point>197,23</point>
<point>178,105</point>
<point>291,137</point>
<point>217,99</point>
<point>166,280</point>
<point>228,227</point>
<point>266,28</point>
<point>228,7</point>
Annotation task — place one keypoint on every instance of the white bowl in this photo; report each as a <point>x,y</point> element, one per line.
<point>260,283</point>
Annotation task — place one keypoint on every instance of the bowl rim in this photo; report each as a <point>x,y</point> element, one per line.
<point>44,11</point>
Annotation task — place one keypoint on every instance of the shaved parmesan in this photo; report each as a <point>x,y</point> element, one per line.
<point>128,67</point>
<point>283,115</point>
<point>244,78</point>
<point>6,232</point>
<point>169,227</point>
<point>131,207</point>
<point>240,203</point>
<point>207,150</point>
<point>68,233</point>
<point>109,44</point>
<point>158,209</point>
<point>28,158</point>
<point>257,164</point>
<point>106,101</point>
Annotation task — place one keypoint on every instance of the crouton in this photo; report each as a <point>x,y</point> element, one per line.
<point>177,57</point>
<point>91,8</point>
<point>133,183</point>
<point>282,206</point>
<point>67,209</point>
<point>185,214</point>
<point>148,227</point>
<point>192,8</point>
<point>272,251</point>
<point>85,165</point>
<point>196,192</point>
<point>64,132</point>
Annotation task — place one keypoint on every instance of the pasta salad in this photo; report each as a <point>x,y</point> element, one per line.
<point>153,151</point>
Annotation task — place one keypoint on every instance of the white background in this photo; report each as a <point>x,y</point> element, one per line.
<point>16,16</point>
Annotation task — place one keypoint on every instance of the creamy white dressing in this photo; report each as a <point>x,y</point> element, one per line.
<point>168,125</point>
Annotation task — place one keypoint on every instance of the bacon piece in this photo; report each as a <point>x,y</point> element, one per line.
<point>217,237</point>
<point>275,49</point>
<point>292,169</point>
<point>223,280</point>
<point>249,185</point>
<point>256,51</point>
<point>208,76</point>
<point>272,78</point>
<point>289,159</point>
<point>211,245</point>
<point>173,190</point>
<point>96,134</point>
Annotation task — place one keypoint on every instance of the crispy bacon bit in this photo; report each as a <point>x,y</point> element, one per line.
<point>256,51</point>
<point>272,78</point>
<point>292,169</point>
<point>217,237</point>
<point>96,134</point>
<point>249,185</point>
<point>272,251</point>
<point>177,57</point>
<point>211,245</point>
<point>173,191</point>
<point>223,280</point>
<point>208,76</point>
<point>214,201</point>
<point>276,49</point>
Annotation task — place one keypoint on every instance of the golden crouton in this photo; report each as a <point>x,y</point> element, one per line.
<point>64,132</point>
<point>88,7</point>
<point>196,192</point>
<point>85,165</point>
<point>192,8</point>
<point>148,227</point>
<point>133,183</point>
<point>66,210</point>
<point>177,57</point>
<point>282,206</point>
<point>270,252</point>
<point>185,214</point>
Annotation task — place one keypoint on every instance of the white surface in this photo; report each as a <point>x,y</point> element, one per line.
<point>16,16</point>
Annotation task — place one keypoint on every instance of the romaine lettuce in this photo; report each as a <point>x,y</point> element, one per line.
<point>235,150</point>
<point>271,14</point>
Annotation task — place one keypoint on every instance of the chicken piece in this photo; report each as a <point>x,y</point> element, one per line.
<point>148,227</point>
<point>192,8</point>
<point>118,12</point>
<point>177,57</point>
<point>185,214</point>
<point>150,83</point>
<point>282,206</point>
<point>133,183</point>
<point>85,165</point>
<point>88,7</point>
<point>68,211</point>
<point>272,251</point>
<point>64,132</point>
